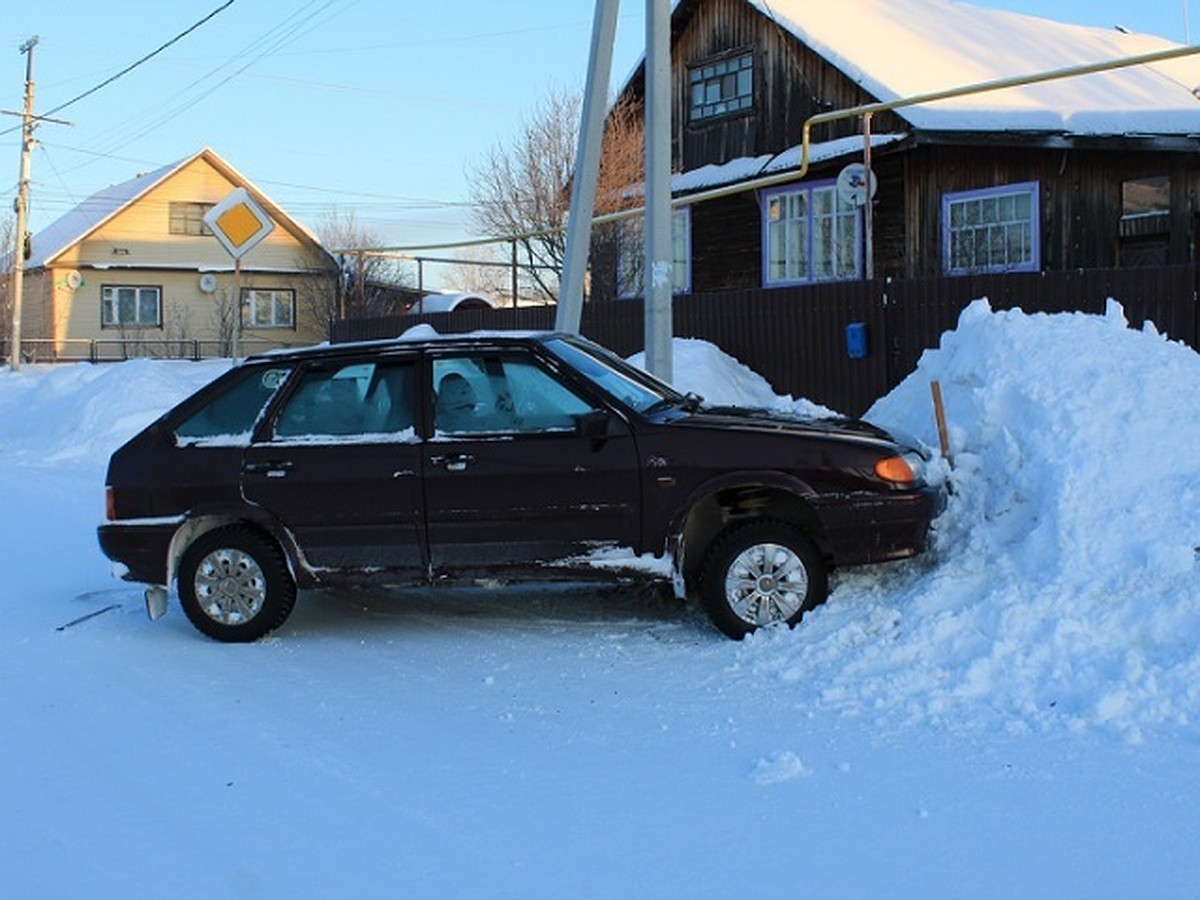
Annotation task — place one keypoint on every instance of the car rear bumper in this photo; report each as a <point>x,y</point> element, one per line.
<point>141,547</point>
<point>879,527</point>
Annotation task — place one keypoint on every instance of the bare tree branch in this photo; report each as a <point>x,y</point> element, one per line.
<point>524,190</point>
<point>366,285</point>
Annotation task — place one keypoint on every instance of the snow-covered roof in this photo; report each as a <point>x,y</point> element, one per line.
<point>97,209</point>
<point>90,214</point>
<point>746,167</point>
<point>903,48</point>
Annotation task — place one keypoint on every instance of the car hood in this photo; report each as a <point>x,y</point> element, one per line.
<point>764,420</point>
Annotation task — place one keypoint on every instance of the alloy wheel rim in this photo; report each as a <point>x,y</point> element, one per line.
<point>230,586</point>
<point>766,583</point>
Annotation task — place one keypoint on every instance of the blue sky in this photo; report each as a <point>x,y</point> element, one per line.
<point>368,106</point>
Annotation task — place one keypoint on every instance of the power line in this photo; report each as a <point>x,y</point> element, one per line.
<point>372,197</point>
<point>288,31</point>
<point>134,65</point>
<point>153,53</point>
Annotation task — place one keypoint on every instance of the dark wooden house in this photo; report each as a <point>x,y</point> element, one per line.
<point>1095,171</point>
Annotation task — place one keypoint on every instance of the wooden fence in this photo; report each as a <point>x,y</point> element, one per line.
<point>796,337</point>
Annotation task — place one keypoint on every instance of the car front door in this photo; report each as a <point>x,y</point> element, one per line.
<point>510,480</point>
<point>339,465</point>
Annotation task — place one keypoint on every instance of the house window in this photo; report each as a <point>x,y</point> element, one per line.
<point>721,87</point>
<point>188,218</point>
<point>124,306</point>
<point>1144,231</point>
<point>810,234</point>
<point>631,255</point>
<point>1146,197</point>
<point>269,308</point>
<point>992,230</point>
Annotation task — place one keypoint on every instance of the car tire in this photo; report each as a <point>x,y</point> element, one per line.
<point>761,573</point>
<point>234,584</point>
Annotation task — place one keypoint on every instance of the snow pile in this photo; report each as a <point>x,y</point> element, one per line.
<point>724,381</point>
<point>83,412</point>
<point>1063,587</point>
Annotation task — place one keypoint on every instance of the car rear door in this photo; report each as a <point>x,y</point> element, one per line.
<point>510,482</point>
<point>339,465</point>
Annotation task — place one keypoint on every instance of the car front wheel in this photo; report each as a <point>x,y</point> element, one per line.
<point>761,573</point>
<point>234,584</point>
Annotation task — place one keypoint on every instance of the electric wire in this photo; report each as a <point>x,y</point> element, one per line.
<point>129,68</point>
<point>146,58</point>
<point>280,35</point>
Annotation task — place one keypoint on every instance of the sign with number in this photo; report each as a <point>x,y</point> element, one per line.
<point>854,186</point>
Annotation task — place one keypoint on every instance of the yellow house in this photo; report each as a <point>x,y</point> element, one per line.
<point>135,270</point>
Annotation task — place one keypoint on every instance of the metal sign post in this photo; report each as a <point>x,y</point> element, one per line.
<point>239,225</point>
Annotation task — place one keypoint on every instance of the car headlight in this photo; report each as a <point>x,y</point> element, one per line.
<point>905,468</point>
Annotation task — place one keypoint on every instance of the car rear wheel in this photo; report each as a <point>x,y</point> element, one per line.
<point>234,584</point>
<point>761,573</point>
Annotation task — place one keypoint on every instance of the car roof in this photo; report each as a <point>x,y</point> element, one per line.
<point>418,338</point>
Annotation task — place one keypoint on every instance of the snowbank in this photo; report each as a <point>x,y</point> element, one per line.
<point>1063,589</point>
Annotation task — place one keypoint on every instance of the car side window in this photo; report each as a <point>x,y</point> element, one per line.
<point>362,402</point>
<point>490,393</point>
<point>229,418</point>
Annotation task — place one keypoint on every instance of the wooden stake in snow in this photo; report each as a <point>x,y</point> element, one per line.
<point>939,412</point>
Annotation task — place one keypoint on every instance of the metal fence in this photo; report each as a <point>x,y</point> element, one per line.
<point>797,337</point>
<point>117,349</point>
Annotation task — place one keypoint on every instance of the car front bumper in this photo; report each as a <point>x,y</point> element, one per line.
<point>869,528</point>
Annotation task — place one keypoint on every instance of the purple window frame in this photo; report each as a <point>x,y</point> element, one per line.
<point>1030,188</point>
<point>809,189</point>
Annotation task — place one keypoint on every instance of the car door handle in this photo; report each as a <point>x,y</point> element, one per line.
<point>272,468</point>
<point>455,462</point>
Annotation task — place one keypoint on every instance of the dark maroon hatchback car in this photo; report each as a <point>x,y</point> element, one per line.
<point>498,456</point>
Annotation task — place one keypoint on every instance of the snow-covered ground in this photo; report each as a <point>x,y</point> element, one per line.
<point>1015,715</point>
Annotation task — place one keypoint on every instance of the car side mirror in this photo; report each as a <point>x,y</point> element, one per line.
<point>593,425</point>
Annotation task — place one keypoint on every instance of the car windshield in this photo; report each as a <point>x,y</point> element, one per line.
<point>617,378</point>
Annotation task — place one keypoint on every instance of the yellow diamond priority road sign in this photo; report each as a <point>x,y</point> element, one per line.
<point>238,223</point>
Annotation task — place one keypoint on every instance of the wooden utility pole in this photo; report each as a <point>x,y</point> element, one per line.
<point>22,205</point>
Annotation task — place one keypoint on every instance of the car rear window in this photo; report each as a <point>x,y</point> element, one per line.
<point>229,417</point>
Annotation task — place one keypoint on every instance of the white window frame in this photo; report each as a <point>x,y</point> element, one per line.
<point>810,234</point>
<point>186,217</point>
<point>110,305</point>
<point>632,246</point>
<point>992,230</point>
<point>252,298</point>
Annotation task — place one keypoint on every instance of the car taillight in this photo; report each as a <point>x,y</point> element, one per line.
<point>110,504</point>
<point>904,469</point>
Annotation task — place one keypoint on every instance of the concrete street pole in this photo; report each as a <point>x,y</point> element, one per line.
<point>587,168</point>
<point>656,273</point>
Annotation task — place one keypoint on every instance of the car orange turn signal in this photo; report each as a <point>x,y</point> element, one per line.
<point>896,469</point>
